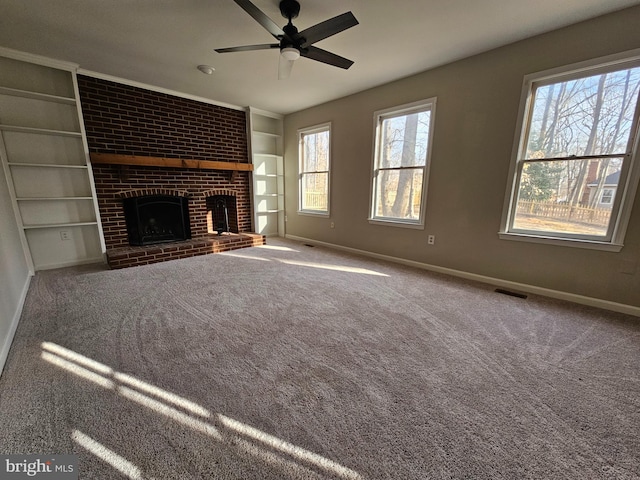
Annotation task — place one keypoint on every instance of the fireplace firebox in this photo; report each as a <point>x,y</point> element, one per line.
<point>157,219</point>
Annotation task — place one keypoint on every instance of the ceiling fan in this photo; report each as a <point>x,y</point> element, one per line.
<point>294,44</point>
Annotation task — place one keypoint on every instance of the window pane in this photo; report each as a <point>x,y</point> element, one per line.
<point>585,116</point>
<point>404,140</point>
<point>568,196</point>
<point>315,190</point>
<point>399,193</point>
<point>316,151</point>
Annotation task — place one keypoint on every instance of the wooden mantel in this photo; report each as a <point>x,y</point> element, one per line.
<point>112,159</point>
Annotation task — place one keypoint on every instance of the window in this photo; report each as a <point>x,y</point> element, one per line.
<point>574,156</point>
<point>401,163</point>
<point>314,155</point>
<point>607,196</point>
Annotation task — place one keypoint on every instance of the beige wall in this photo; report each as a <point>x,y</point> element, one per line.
<point>14,272</point>
<point>478,100</point>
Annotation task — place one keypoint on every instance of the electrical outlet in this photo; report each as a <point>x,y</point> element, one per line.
<point>333,225</point>
<point>431,239</point>
<point>64,235</point>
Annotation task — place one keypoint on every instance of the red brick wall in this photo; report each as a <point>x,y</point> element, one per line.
<point>126,120</point>
<point>133,121</point>
<point>112,186</point>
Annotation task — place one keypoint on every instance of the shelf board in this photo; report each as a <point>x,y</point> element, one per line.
<point>269,195</point>
<point>14,92</point>
<point>266,134</point>
<point>40,131</point>
<point>47,199</point>
<point>268,155</point>
<point>112,159</point>
<point>58,225</point>
<point>45,165</point>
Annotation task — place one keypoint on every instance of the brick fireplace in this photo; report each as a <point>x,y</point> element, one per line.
<point>134,123</point>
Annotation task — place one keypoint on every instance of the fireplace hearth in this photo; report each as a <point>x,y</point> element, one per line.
<point>155,219</point>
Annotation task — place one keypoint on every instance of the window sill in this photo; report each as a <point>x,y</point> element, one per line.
<point>313,213</point>
<point>396,223</point>
<point>564,242</point>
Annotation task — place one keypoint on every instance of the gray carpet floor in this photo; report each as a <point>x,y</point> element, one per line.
<point>287,361</point>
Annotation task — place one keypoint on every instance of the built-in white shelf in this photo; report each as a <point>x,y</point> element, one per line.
<point>41,131</point>
<point>40,199</point>
<point>267,134</point>
<point>14,92</point>
<point>46,165</point>
<point>43,152</point>
<point>268,171</point>
<point>59,225</point>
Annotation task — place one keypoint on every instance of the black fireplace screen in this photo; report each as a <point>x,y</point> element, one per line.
<point>157,219</point>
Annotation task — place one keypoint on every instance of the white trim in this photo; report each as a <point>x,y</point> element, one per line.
<point>87,161</point>
<point>312,130</point>
<point>38,59</point>
<point>419,106</point>
<point>153,88</point>
<point>312,213</point>
<point>4,351</point>
<point>573,69</point>
<point>546,292</point>
<point>565,242</point>
<point>623,203</point>
<point>392,222</point>
<point>265,113</point>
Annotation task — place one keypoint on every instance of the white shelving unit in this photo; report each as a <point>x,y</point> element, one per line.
<point>44,155</point>
<point>265,145</point>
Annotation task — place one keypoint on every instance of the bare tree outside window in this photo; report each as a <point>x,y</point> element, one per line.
<point>401,161</point>
<point>314,169</point>
<point>578,138</point>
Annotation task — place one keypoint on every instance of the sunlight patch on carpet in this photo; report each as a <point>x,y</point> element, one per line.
<point>288,448</point>
<point>77,370</point>
<point>275,247</point>
<point>107,455</point>
<point>77,358</point>
<point>170,412</point>
<point>339,268</point>
<point>247,257</point>
<point>162,394</point>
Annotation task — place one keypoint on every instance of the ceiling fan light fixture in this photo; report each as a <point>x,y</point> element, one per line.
<point>290,53</point>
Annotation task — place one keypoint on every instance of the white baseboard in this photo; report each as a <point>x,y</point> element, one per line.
<point>4,351</point>
<point>523,287</point>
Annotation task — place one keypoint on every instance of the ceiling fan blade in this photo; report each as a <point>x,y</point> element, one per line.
<point>248,48</point>
<point>315,53</point>
<point>284,68</point>
<point>327,28</point>
<point>261,18</point>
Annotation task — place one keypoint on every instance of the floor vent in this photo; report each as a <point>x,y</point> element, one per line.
<point>510,293</point>
<point>308,245</point>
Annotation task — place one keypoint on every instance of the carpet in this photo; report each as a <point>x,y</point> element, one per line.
<point>291,362</point>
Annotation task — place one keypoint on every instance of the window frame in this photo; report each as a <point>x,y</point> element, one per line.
<point>428,104</point>
<point>629,174</point>
<point>323,127</point>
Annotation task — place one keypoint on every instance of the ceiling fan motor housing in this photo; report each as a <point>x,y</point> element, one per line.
<point>289,8</point>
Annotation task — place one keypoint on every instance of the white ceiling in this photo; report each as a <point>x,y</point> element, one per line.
<point>160,42</point>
